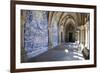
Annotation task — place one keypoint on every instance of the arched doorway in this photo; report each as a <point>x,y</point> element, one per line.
<point>71,37</point>
<point>70,33</point>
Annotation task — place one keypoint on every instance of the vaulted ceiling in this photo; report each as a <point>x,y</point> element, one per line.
<point>64,18</point>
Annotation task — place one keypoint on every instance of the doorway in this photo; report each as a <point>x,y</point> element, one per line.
<point>61,36</point>
<point>70,37</point>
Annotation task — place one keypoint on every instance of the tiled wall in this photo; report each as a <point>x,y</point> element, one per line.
<point>35,33</point>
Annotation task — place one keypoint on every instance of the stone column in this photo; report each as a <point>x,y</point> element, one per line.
<point>50,36</point>
<point>87,36</point>
<point>23,52</point>
<point>59,42</point>
<point>77,36</point>
<point>81,36</point>
<point>86,40</point>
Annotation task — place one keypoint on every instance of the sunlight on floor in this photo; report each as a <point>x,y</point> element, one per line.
<point>81,58</point>
<point>66,50</point>
<point>78,53</point>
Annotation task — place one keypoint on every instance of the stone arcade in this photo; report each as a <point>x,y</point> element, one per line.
<point>54,36</point>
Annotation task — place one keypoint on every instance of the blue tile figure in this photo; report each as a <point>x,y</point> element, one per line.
<point>35,33</point>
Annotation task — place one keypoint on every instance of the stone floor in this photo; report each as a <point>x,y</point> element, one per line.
<point>63,52</point>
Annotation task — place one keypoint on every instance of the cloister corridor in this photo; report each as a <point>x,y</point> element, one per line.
<point>54,36</point>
